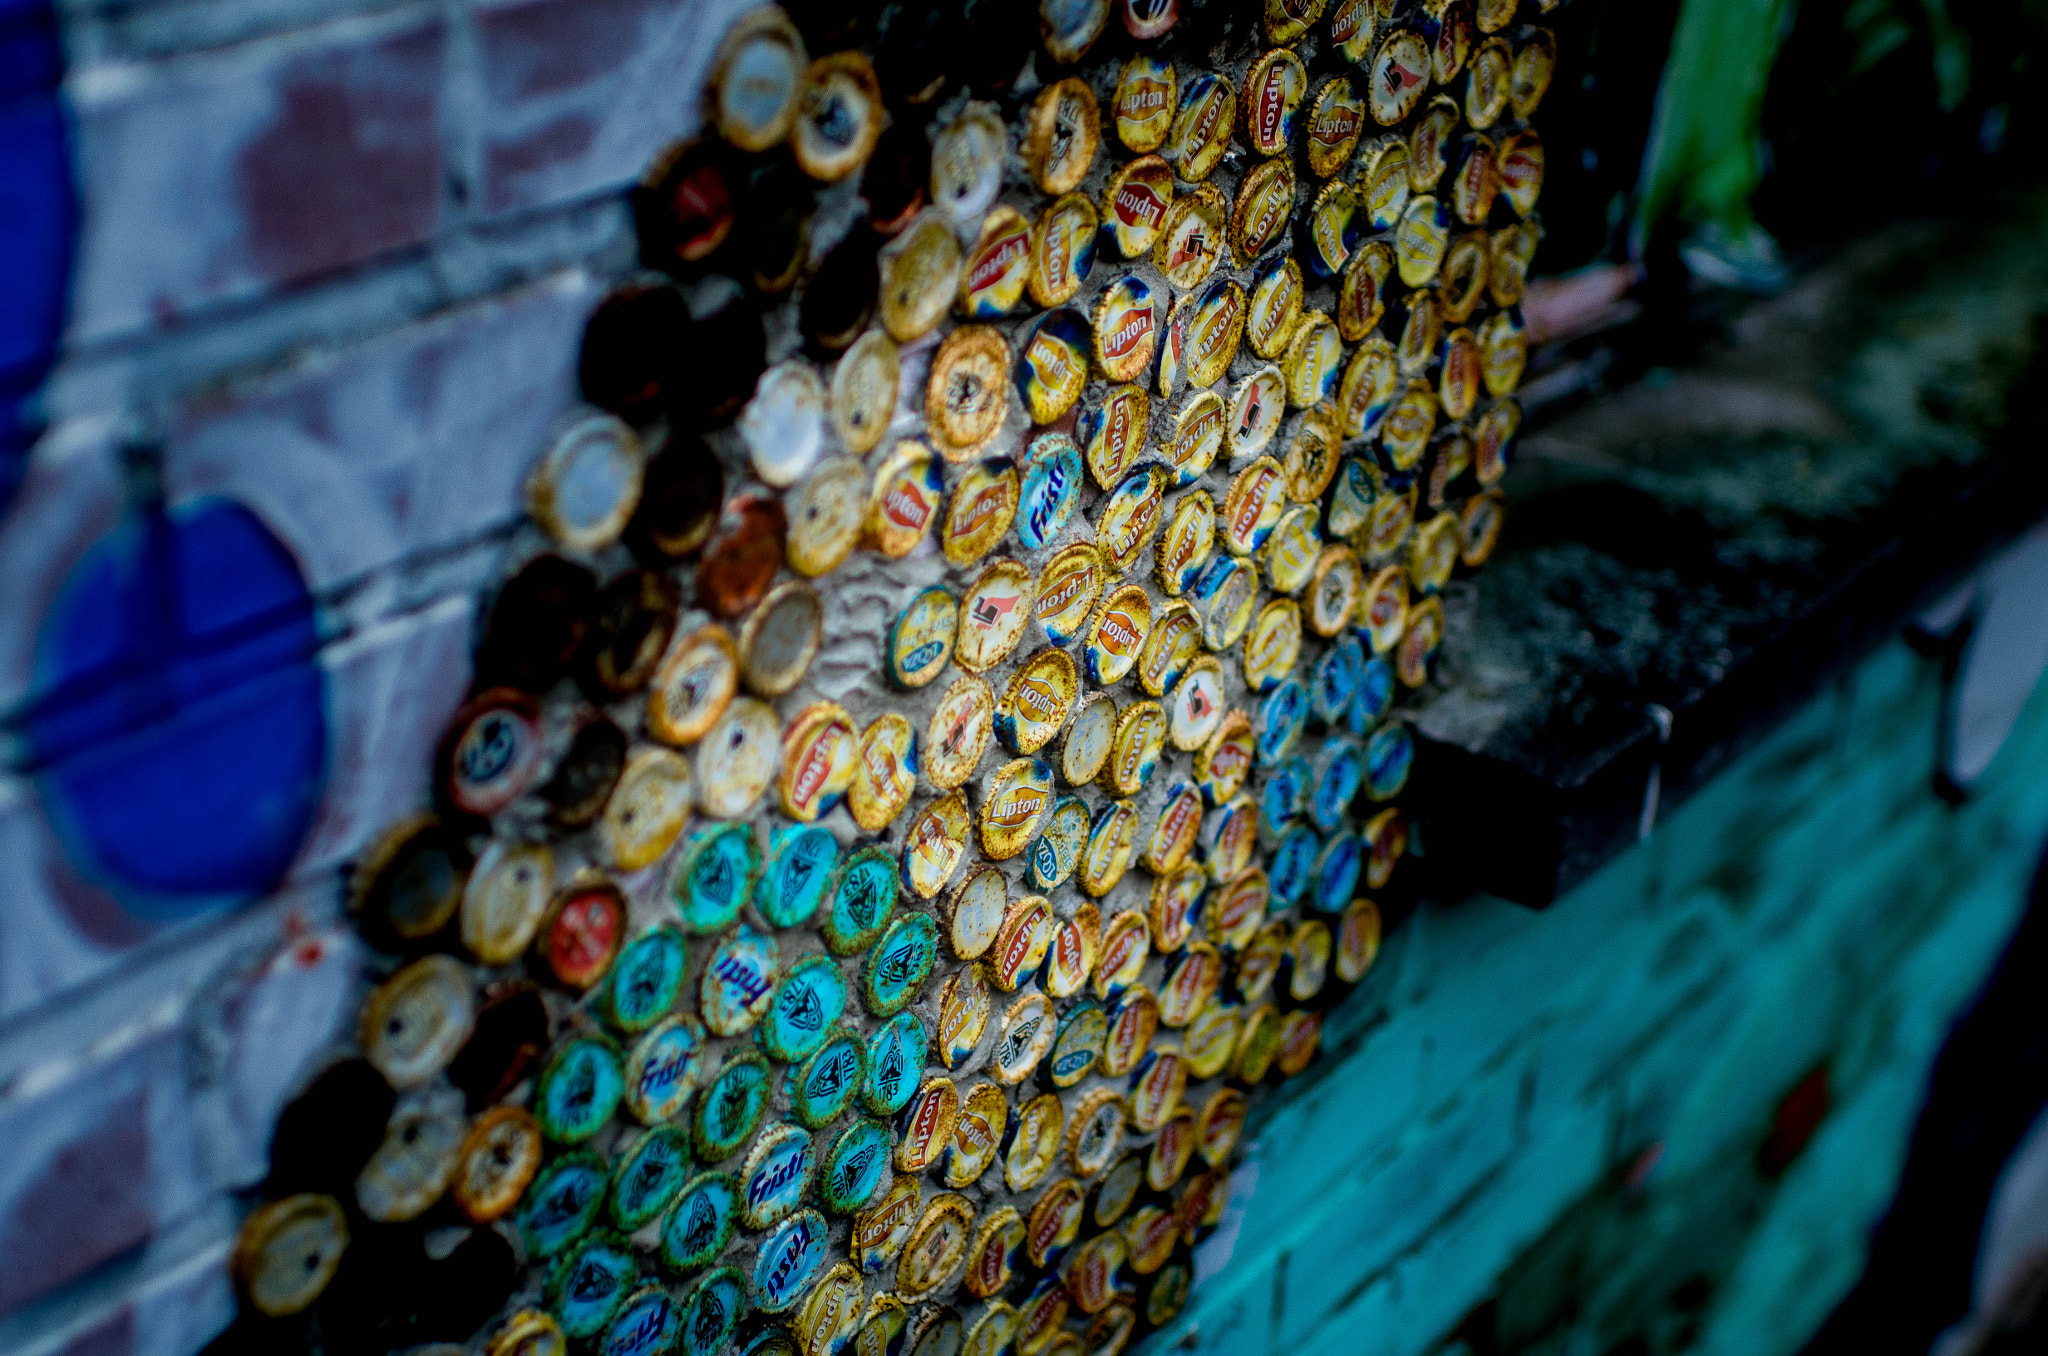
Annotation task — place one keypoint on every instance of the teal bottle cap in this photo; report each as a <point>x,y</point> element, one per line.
<point>586,1287</point>
<point>825,1084</point>
<point>643,982</point>
<point>562,1203</point>
<point>580,1086</point>
<point>899,965</point>
<point>731,1106</point>
<point>662,1070</point>
<point>648,1324</point>
<point>716,878</point>
<point>855,1166</point>
<point>649,1176</point>
<point>798,874</point>
<point>810,998</point>
<point>701,1224</point>
<point>896,1057</point>
<point>777,1176</point>
<point>863,897</point>
<point>789,1260</point>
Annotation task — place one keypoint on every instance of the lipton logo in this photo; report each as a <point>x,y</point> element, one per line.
<point>1052,361</point>
<point>992,1266</point>
<point>1231,759</point>
<point>1204,427</point>
<point>906,506</point>
<point>1212,327</point>
<point>1141,97</point>
<point>1022,942</point>
<point>1128,329</point>
<point>1071,586</point>
<point>1179,816</point>
<point>1253,506</point>
<point>982,508</point>
<point>1334,126</point>
<point>1016,807</point>
<point>1138,204</point>
<point>1002,253</point>
<point>1213,102</point>
<point>1273,105</point>
<point>1138,522</point>
<point>925,1125</point>
<point>1118,632</point>
<point>1119,951</point>
<point>873,1229</point>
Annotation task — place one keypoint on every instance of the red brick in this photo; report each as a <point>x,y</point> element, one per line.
<point>580,94</point>
<point>216,178</point>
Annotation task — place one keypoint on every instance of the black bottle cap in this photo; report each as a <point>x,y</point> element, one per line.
<point>536,625</point>
<point>727,353</point>
<point>327,1133</point>
<point>841,297</point>
<point>634,350</point>
<point>897,182</point>
<point>584,781</point>
<point>510,1037</point>
<point>679,503</point>
<point>1003,33</point>
<point>687,206</point>
<point>918,53</point>
<point>773,236</point>
<point>631,620</point>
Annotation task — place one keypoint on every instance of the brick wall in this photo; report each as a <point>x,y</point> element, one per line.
<point>334,258</point>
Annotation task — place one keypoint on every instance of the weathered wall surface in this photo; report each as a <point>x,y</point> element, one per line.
<point>316,239</point>
<point>1564,1111</point>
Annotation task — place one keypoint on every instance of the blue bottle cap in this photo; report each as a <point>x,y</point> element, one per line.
<point>586,1288</point>
<point>1281,716</point>
<point>798,873</point>
<point>788,1260</point>
<point>647,1324</point>
<point>777,1175</point>
<point>863,897</point>
<point>900,964</point>
<point>731,1106</point>
<point>896,1057</point>
<point>809,999</point>
<point>1340,770</point>
<point>1281,797</point>
<point>562,1203</point>
<point>1334,682</point>
<point>1375,696</point>
<point>824,1085</point>
<point>716,878</point>
<point>649,1176</point>
<point>738,981</point>
<point>580,1086</point>
<point>1388,758</point>
<point>1293,864</point>
<point>1336,872</point>
<point>712,1311</point>
<point>1051,489</point>
<point>855,1166</point>
<point>643,982</point>
<point>697,1230</point>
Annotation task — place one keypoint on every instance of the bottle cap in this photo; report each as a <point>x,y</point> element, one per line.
<point>856,1166</point>
<point>706,1211</point>
<point>1157,1086</point>
<point>1273,644</point>
<point>818,752</point>
<point>565,1201</point>
<point>905,500</point>
<point>1420,333</point>
<point>710,1313</point>
<point>823,1086</point>
<point>1189,537</point>
<point>1265,200</point>
<point>1503,352</point>
<point>1311,362</point>
<point>743,555</point>
<point>1399,76</point>
<point>977,1135</point>
<point>958,733</point>
<point>1130,517</point>
<point>413,879</point>
<point>896,1054</point>
<point>984,502</point>
<point>738,984</point>
<point>1433,552</point>
<point>998,266</point>
<point>1111,839</point>
<point>1145,101</point>
<point>1173,834</point>
<point>1384,613</point>
<point>1450,35</point>
<point>758,80</point>
<point>1127,327</point>
<point>936,1248</point>
<point>1134,751</point>
<point>1520,159</point>
<point>1479,524</point>
<point>729,1109</point>
<point>934,844</point>
<point>736,760</point>
<point>884,772</point>
<point>1493,15</point>
<point>809,998</point>
<point>878,1235</point>
<point>825,517</point>
<point>1050,491</point>
<point>1213,326</point>
<point>1062,129</point>
<point>1275,309</point>
<point>901,962</point>
<point>965,1004</point>
<point>1115,634</point>
<point>413,1023</point>
<point>1085,748</point>
<point>1035,702</point>
<point>1192,236</point>
<point>661,1071</point>
<point>1336,120</point>
<point>1222,763</point>
<point>1535,61</point>
<point>1133,1020</point>
<point>783,426</point>
<point>1053,366</point>
<point>1510,251</point>
<point>1075,943</point>
<point>1135,203</point>
<point>1273,91</point>
<point>967,163</point>
<point>1429,144</point>
<point>1035,1141</point>
<point>631,621</point>
<point>788,1261</point>
<point>1311,461</point>
<point>647,809</point>
<point>1202,123</point>
<point>1114,432</point>
<point>965,393</point>
<point>1228,840</point>
<point>920,276</point>
<point>862,398</point>
<point>580,1086</point>
<point>1335,587</point>
<point>505,899</point>
<point>1062,249</point>
<point>1361,297</point>
<point>1224,595</point>
<point>1021,942</point>
<point>287,1252</point>
<point>585,489</point>
<point>776,1176</point>
<point>645,980</point>
<point>497,1159</point>
<point>536,625</point>
<point>1281,716</point>
<point>1058,850</point>
<point>839,117</point>
<point>863,898</point>
<point>529,1332</point>
<point>1072,582</point>
<point>1174,643</point>
<point>1070,30</point>
<point>693,685</point>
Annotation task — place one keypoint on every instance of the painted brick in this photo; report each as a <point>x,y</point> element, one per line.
<point>216,178</point>
<point>100,1156</point>
<point>415,442</point>
<point>578,95</point>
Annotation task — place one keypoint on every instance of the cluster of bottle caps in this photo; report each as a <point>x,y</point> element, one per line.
<point>902,818</point>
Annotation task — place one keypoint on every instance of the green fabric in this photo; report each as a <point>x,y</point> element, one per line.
<point>1703,160</point>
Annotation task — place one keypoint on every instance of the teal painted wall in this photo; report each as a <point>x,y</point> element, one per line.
<point>1470,1129</point>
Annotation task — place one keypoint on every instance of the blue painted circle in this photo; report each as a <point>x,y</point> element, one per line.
<point>182,743</point>
<point>1334,682</point>
<point>1375,695</point>
<point>1292,864</point>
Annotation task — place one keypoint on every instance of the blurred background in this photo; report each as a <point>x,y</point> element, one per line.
<point>1717,1018</point>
